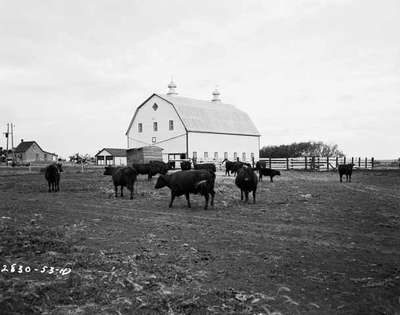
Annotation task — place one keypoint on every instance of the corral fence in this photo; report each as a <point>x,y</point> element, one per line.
<point>309,163</point>
<point>316,163</point>
<point>38,167</point>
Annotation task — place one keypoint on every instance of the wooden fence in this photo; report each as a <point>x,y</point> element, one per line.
<point>315,163</point>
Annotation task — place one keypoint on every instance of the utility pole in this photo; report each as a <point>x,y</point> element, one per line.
<point>6,134</point>
<point>12,141</point>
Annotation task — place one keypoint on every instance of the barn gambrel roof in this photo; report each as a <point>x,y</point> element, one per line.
<point>210,117</point>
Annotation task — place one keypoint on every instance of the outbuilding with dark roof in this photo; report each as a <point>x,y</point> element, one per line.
<point>30,151</point>
<point>111,156</point>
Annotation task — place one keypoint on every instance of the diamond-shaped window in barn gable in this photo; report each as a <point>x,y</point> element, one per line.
<point>155,106</point>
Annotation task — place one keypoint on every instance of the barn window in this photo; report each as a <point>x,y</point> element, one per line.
<point>244,156</point>
<point>205,155</point>
<point>155,106</point>
<point>194,154</point>
<point>171,125</point>
<point>155,126</point>
<point>215,155</point>
<point>235,156</point>
<point>140,127</point>
<point>225,155</point>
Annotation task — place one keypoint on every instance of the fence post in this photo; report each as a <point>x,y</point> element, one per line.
<point>269,160</point>
<point>327,163</point>
<point>352,160</point>
<point>359,162</point>
<point>344,160</point>
<point>366,161</point>
<point>305,162</point>
<point>372,162</point>
<point>337,162</point>
<point>287,163</point>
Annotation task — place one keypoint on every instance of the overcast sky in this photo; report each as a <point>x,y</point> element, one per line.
<point>73,72</point>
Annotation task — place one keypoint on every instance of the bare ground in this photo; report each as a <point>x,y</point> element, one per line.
<point>310,245</point>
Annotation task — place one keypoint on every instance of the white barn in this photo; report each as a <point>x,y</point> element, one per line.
<point>190,128</point>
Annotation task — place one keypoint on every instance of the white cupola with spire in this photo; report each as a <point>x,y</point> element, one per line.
<point>172,87</point>
<point>216,95</point>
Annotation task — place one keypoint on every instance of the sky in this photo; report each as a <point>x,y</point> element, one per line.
<point>73,72</point>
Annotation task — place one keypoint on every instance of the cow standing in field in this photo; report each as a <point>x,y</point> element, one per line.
<point>247,181</point>
<point>159,167</point>
<point>205,166</point>
<point>186,165</point>
<point>151,169</point>
<point>268,172</point>
<point>345,169</point>
<point>261,164</point>
<point>229,167</point>
<point>52,175</point>
<point>233,167</point>
<point>189,182</point>
<point>122,176</point>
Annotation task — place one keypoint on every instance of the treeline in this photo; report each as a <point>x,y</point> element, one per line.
<point>300,149</point>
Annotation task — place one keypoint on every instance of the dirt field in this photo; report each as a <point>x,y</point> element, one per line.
<point>310,245</point>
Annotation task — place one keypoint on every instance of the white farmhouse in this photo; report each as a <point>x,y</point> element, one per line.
<point>190,128</point>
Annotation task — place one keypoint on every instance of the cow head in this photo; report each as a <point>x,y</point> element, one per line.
<point>59,167</point>
<point>108,170</point>
<point>161,182</point>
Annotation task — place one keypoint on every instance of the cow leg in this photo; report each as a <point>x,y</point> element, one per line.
<point>271,179</point>
<point>212,197</point>
<point>116,191</point>
<point>130,187</point>
<point>254,196</point>
<point>247,195</point>
<point>48,182</point>
<point>241,194</point>
<point>350,178</point>
<point>172,199</point>
<point>340,176</point>
<point>206,205</point>
<point>188,200</point>
<point>122,190</point>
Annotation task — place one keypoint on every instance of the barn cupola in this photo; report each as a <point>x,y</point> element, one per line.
<point>172,87</point>
<point>216,94</point>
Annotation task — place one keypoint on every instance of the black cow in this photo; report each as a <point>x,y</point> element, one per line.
<point>151,169</point>
<point>345,169</point>
<point>189,182</point>
<point>186,165</point>
<point>268,172</point>
<point>52,175</point>
<point>261,164</point>
<point>171,165</point>
<point>206,166</point>
<point>247,181</point>
<point>230,167</point>
<point>159,167</point>
<point>122,176</point>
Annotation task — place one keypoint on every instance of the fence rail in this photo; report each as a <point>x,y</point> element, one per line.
<point>316,163</point>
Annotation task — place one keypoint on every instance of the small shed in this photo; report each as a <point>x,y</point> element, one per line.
<point>111,156</point>
<point>144,154</point>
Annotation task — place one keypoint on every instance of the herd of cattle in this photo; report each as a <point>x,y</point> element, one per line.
<point>199,180</point>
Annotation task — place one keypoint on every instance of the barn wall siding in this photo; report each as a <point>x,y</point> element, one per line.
<point>206,142</point>
<point>147,115</point>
